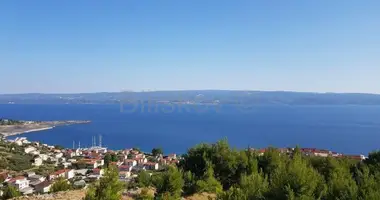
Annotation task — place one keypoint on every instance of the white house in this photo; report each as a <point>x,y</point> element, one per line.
<point>66,164</point>
<point>130,162</point>
<point>125,168</point>
<point>29,149</point>
<point>37,177</point>
<point>99,172</point>
<point>69,173</point>
<point>19,182</point>
<point>44,157</point>
<point>58,155</point>
<point>43,187</point>
<point>58,174</point>
<point>141,160</point>
<point>37,161</point>
<point>151,166</point>
<point>35,152</point>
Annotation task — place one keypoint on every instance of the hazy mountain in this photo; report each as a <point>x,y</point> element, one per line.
<point>198,96</point>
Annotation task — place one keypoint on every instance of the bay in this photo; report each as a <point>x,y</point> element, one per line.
<point>346,129</point>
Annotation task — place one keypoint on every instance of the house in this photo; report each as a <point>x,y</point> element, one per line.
<point>35,152</point>
<point>29,149</point>
<point>141,160</point>
<point>69,153</point>
<point>19,182</point>
<point>130,162</point>
<point>116,163</point>
<point>20,141</point>
<point>66,164</point>
<point>43,187</point>
<point>44,157</point>
<point>125,168</point>
<point>27,190</point>
<point>69,173</point>
<point>92,163</point>
<point>58,174</point>
<point>356,157</point>
<point>36,177</point>
<point>124,174</point>
<point>98,172</point>
<point>37,161</point>
<point>58,155</point>
<point>151,166</point>
<point>82,172</point>
<point>322,153</point>
<point>172,156</point>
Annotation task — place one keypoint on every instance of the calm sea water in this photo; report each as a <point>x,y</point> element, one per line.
<point>347,129</point>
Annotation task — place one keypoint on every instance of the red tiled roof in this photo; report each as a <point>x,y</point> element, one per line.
<point>59,172</point>
<point>123,167</point>
<point>150,163</point>
<point>17,178</point>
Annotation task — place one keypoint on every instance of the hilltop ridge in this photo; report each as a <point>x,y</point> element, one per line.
<point>197,96</point>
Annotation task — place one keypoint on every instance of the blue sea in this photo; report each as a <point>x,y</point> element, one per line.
<point>346,129</point>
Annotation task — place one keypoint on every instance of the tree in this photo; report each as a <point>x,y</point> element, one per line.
<point>301,181</point>
<point>169,183</point>
<point>145,195</point>
<point>254,186</point>
<point>60,185</point>
<point>157,151</point>
<point>107,188</point>
<point>107,160</point>
<point>234,193</point>
<point>209,183</point>
<point>144,179</point>
<point>60,147</point>
<point>341,185</point>
<point>10,192</point>
<point>189,187</point>
<point>368,183</point>
<point>114,158</point>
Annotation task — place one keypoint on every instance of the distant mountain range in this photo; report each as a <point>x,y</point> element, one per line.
<point>197,96</point>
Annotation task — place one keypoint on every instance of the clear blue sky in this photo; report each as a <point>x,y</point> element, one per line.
<point>88,46</point>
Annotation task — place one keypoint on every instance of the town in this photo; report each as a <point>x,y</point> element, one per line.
<point>83,166</point>
<point>80,166</point>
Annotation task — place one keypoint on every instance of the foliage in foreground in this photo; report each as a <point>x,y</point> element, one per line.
<point>60,185</point>
<point>234,174</point>
<point>10,192</point>
<point>107,188</point>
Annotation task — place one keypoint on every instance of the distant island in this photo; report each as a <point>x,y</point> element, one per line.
<point>9,127</point>
<point>206,97</point>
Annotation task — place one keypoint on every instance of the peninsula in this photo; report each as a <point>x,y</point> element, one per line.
<point>10,127</point>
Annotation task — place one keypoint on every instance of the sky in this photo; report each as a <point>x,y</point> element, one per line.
<point>97,46</point>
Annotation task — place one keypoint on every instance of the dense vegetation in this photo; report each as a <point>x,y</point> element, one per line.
<point>233,174</point>
<point>60,185</point>
<point>13,157</point>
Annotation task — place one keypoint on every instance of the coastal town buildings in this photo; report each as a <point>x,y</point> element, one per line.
<point>83,165</point>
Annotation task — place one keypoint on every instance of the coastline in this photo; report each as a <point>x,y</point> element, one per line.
<point>27,131</point>
<point>12,130</point>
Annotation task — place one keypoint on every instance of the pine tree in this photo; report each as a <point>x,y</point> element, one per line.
<point>209,183</point>
<point>10,192</point>
<point>107,188</point>
<point>60,185</point>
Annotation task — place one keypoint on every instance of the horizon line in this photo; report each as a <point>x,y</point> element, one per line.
<point>190,90</point>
